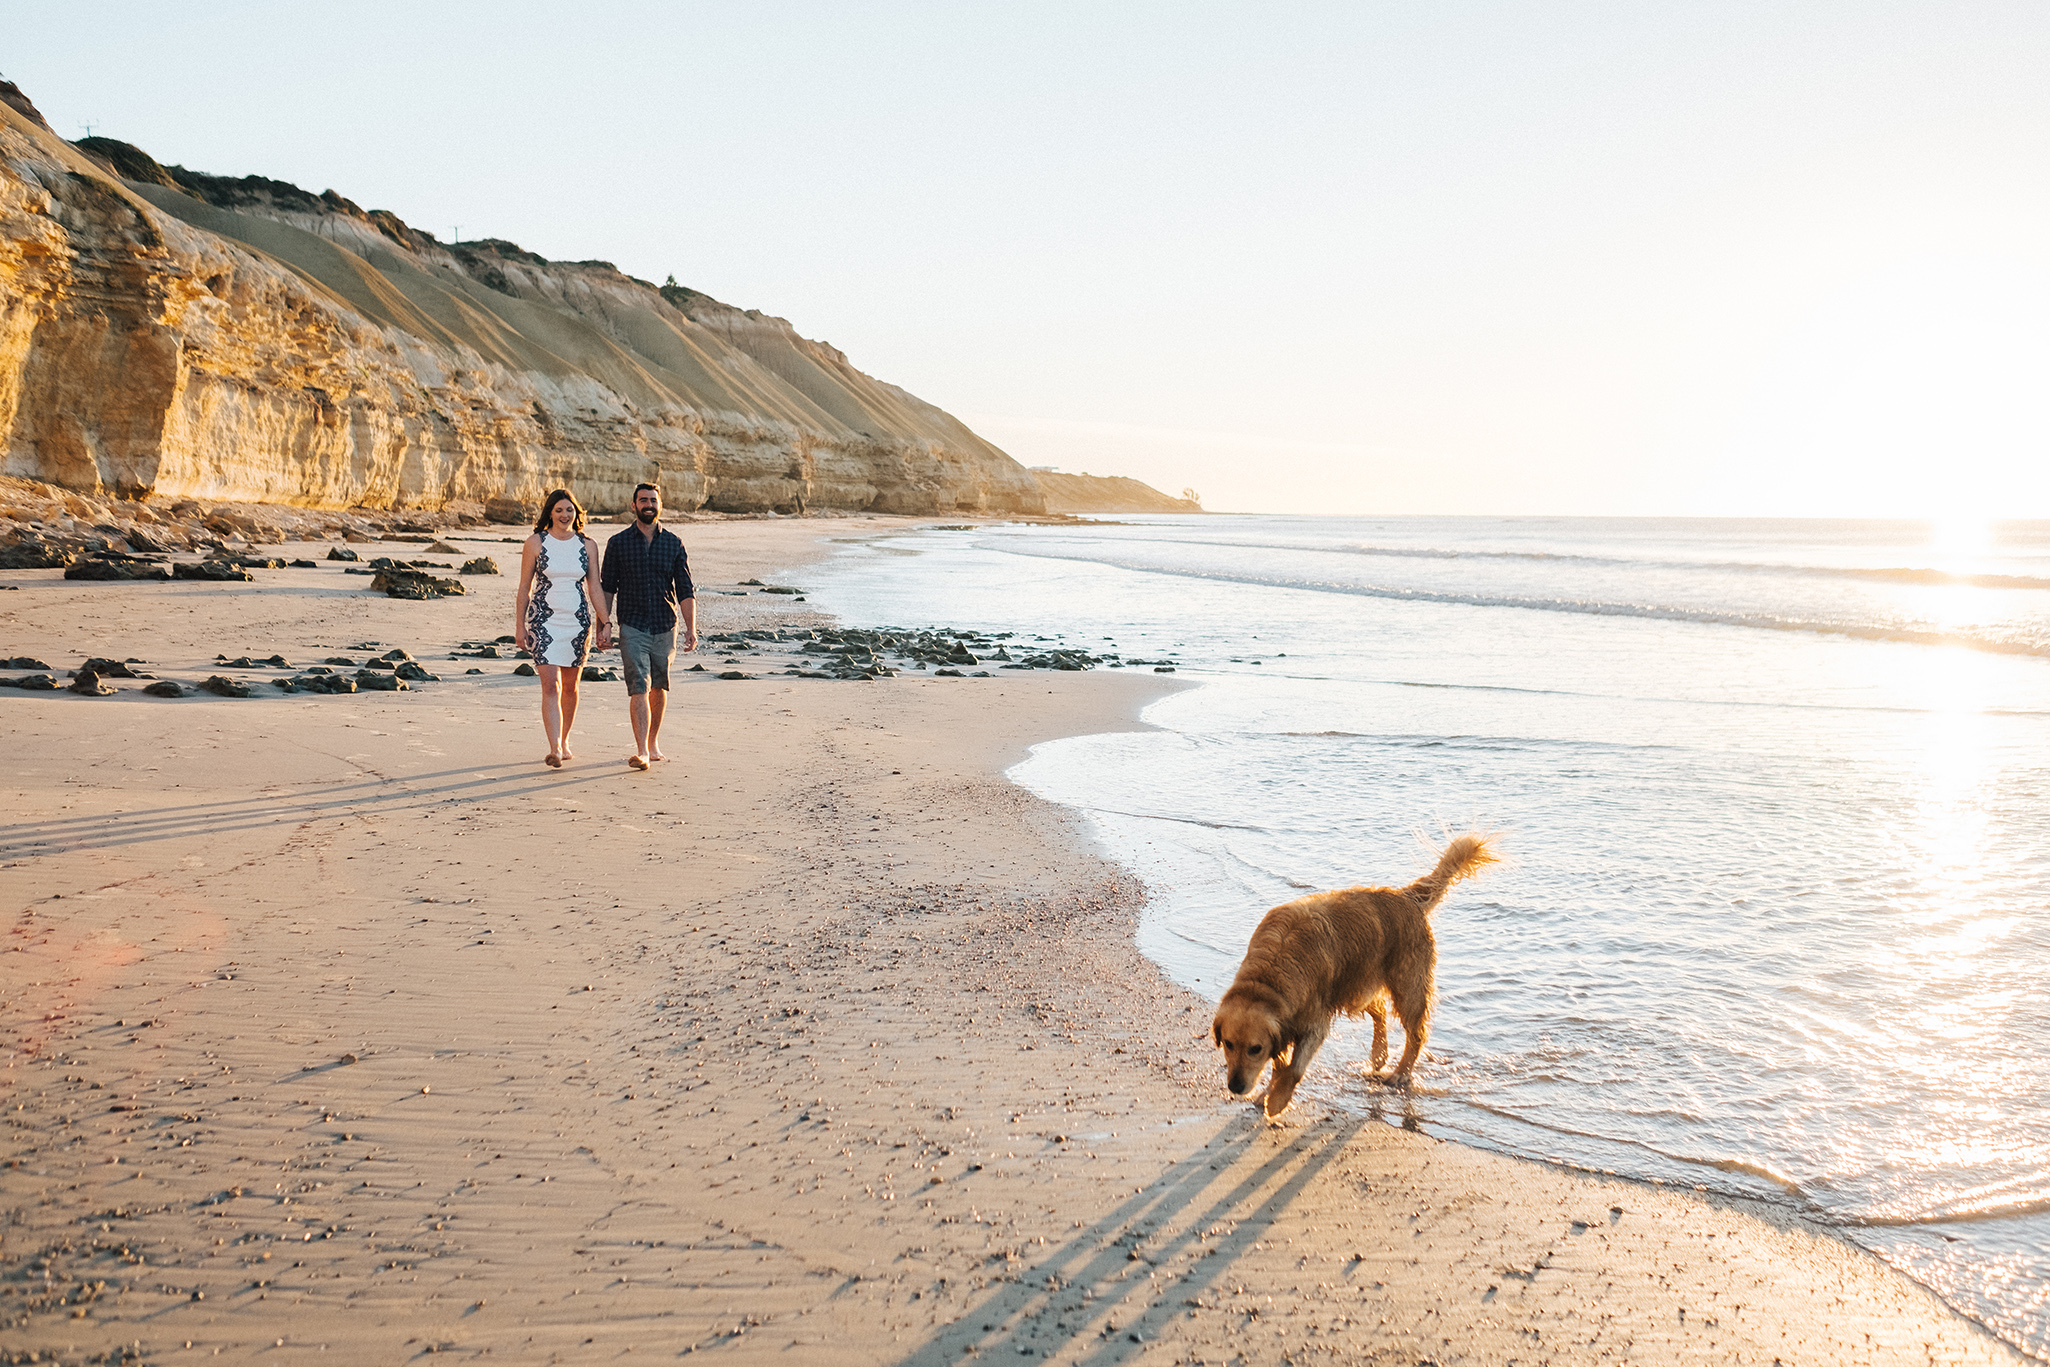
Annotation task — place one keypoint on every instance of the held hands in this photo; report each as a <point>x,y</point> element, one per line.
<point>605,636</point>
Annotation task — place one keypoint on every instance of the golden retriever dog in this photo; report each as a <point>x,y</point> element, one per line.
<point>1353,951</point>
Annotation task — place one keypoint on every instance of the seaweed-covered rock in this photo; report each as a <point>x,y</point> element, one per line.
<point>373,682</point>
<point>415,673</point>
<point>304,565</point>
<point>483,564</point>
<point>225,687</point>
<point>212,571</point>
<point>114,669</point>
<point>88,682</point>
<point>24,662</point>
<point>38,683</point>
<point>164,688</point>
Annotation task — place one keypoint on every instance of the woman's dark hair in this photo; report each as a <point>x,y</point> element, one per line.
<point>547,518</point>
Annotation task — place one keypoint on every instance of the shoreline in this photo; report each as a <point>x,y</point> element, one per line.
<point>375,1034</point>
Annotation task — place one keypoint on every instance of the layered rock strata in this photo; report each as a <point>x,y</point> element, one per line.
<point>166,334</point>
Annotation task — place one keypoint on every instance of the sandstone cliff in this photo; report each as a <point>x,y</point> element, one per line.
<point>170,334</point>
<point>1086,493</point>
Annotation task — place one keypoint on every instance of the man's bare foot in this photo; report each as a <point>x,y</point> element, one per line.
<point>637,761</point>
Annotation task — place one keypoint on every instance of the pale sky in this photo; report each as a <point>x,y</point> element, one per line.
<point>1704,258</point>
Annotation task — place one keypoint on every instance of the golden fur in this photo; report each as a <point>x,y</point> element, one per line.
<point>1354,951</point>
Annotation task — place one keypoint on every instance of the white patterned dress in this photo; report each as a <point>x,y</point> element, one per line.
<point>559,611</point>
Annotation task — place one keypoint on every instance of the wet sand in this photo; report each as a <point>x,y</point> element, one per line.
<point>340,1025</point>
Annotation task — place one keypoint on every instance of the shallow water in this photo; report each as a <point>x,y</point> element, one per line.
<point>1776,797</point>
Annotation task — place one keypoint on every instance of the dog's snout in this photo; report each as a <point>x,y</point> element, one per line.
<point>1238,1086</point>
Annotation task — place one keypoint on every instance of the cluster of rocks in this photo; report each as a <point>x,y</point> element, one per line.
<point>97,538</point>
<point>394,671</point>
<point>40,524</point>
<point>845,653</point>
<point>857,653</point>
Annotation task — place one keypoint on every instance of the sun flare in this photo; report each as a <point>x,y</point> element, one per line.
<point>1960,536</point>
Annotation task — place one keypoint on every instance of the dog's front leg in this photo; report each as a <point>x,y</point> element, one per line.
<point>1281,1091</point>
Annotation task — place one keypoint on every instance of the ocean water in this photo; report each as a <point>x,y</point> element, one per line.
<point>1775,796</point>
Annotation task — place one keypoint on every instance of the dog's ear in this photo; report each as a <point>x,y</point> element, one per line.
<point>1217,1032</point>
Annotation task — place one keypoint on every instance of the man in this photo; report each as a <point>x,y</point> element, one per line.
<point>647,571</point>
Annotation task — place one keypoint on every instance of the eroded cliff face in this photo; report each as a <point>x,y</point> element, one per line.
<point>176,335</point>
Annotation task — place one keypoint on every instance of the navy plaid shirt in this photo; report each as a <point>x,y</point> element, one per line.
<point>649,575</point>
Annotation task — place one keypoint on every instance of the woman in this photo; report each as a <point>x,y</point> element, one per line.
<point>555,621</point>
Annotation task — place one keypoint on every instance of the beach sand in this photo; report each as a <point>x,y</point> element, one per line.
<point>340,1025</point>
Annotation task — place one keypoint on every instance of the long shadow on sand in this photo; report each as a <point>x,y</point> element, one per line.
<point>468,785</point>
<point>1126,1276</point>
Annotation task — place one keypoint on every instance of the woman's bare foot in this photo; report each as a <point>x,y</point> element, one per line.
<point>654,753</point>
<point>637,761</point>
<point>554,761</point>
<point>565,749</point>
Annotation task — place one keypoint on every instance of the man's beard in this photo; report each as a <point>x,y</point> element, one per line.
<point>646,515</point>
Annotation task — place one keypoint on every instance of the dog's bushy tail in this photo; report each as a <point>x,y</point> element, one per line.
<point>1463,858</point>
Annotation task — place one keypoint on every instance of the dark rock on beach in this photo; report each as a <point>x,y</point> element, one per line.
<point>593,674</point>
<point>164,688</point>
<point>24,662</point>
<point>318,683</point>
<point>114,570</point>
<point>380,683</point>
<point>415,673</point>
<point>483,564</point>
<point>227,688</point>
<point>34,553</point>
<point>415,584</point>
<point>527,671</point>
<point>88,683</point>
<point>338,553</point>
<point>37,683</point>
<point>114,669</point>
<point>213,571</point>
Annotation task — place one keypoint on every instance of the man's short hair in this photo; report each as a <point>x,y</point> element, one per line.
<point>649,487</point>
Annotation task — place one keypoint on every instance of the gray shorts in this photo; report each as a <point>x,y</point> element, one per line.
<point>646,656</point>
